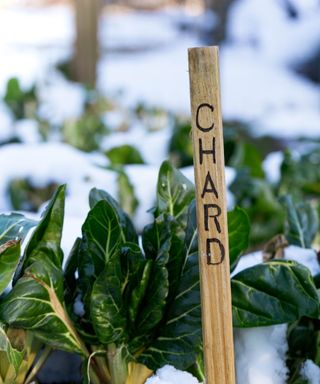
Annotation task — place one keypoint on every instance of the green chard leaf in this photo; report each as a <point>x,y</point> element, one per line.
<point>112,294</point>
<point>139,291</point>
<point>107,306</point>
<point>9,259</point>
<point>179,336</point>
<point>273,293</point>
<point>156,239</point>
<point>239,231</point>
<point>36,303</point>
<point>174,192</point>
<point>14,226</point>
<point>128,297</point>
<point>302,222</point>
<point>12,355</point>
<point>44,244</point>
<point>126,224</point>
<point>104,232</point>
<point>152,307</point>
<point>36,300</point>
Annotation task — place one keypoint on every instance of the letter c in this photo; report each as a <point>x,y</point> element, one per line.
<point>204,105</point>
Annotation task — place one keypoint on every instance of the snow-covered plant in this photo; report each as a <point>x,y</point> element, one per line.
<point>129,307</point>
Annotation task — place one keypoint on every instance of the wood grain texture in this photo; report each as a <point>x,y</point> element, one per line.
<point>207,134</point>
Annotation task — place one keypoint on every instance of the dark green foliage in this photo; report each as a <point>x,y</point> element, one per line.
<point>125,154</point>
<point>25,196</point>
<point>302,222</point>
<point>263,208</point>
<point>300,175</point>
<point>273,293</point>
<point>23,104</point>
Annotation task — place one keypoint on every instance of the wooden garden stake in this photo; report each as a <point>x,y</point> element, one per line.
<point>211,215</point>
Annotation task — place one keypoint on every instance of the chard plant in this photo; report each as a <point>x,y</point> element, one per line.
<point>129,307</point>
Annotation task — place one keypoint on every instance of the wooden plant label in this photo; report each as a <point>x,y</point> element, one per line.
<point>211,215</point>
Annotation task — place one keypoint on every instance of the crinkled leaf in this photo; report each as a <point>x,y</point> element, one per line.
<point>36,300</point>
<point>9,259</point>
<point>178,339</point>
<point>13,355</point>
<point>174,191</point>
<point>109,298</point>
<point>140,291</point>
<point>46,238</point>
<point>301,224</point>
<point>239,231</point>
<point>103,236</point>
<point>273,293</point>
<point>97,195</point>
<point>156,239</point>
<point>14,226</point>
<point>152,310</point>
<point>36,303</point>
<point>107,308</point>
<point>161,243</point>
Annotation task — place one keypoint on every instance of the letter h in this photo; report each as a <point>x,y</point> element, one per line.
<point>212,151</point>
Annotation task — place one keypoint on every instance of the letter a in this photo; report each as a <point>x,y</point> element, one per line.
<point>209,187</point>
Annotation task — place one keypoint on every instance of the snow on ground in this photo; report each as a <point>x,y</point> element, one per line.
<point>271,166</point>
<point>311,372</point>
<point>261,355</point>
<point>53,94</point>
<point>36,37</point>
<point>27,131</point>
<point>116,31</point>
<point>257,22</point>
<point>305,256</point>
<point>5,123</point>
<point>256,91</point>
<point>157,77</point>
<point>258,85</point>
<point>170,375</point>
